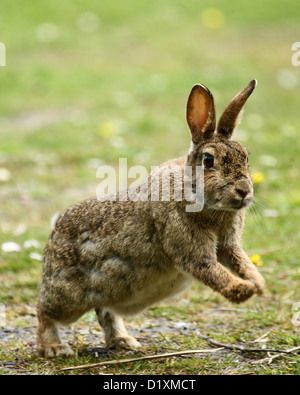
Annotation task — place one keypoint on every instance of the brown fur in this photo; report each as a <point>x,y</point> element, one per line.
<point>121,257</point>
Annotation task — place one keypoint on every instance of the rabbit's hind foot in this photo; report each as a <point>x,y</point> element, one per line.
<point>123,342</point>
<point>55,350</point>
<point>49,344</point>
<point>116,335</point>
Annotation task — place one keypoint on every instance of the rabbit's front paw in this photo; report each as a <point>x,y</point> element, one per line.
<point>240,292</point>
<point>127,342</point>
<point>259,283</point>
<point>56,350</point>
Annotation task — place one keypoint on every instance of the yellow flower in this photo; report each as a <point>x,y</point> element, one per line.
<point>295,195</point>
<point>107,130</point>
<point>212,18</point>
<point>258,178</point>
<point>256,260</point>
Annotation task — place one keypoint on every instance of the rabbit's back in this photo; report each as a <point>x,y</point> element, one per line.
<point>107,253</point>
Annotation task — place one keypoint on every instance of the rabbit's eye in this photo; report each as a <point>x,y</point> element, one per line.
<point>208,161</point>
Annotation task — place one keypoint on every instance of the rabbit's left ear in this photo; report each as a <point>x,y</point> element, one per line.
<point>230,118</point>
<point>200,113</point>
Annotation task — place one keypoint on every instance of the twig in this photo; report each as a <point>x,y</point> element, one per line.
<point>157,356</point>
<point>238,347</point>
<point>262,337</point>
<point>270,359</point>
<point>221,346</point>
<point>233,309</point>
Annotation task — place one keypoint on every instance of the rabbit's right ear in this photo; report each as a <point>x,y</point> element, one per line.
<point>200,113</point>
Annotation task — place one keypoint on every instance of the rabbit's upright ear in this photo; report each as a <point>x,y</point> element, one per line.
<point>200,113</point>
<point>230,118</point>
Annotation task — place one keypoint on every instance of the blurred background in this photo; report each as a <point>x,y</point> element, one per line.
<point>87,82</point>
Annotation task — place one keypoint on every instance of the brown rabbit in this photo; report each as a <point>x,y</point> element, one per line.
<point>120,257</point>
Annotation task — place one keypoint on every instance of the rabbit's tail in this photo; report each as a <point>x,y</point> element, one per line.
<point>54,220</point>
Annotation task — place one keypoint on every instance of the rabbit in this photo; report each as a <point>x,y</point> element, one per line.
<point>119,257</point>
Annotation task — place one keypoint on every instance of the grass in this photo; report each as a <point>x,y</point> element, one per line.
<point>72,99</point>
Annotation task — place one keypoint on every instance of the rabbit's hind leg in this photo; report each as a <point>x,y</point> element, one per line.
<point>49,343</point>
<point>116,335</point>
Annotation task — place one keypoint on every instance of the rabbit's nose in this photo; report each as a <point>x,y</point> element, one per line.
<point>242,192</point>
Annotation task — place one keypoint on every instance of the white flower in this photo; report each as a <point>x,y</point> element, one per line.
<point>287,79</point>
<point>11,246</point>
<point>254,121</point>
<point>88,22</point>
<point>5,174</point>
<point>94,163</point>
<point>268,160</point>
<point>31,244</point>
<point>47,32</point>
<point>35,256</point>
<point>20,229</point>
<point>117,142</point>
<point>271,213</point>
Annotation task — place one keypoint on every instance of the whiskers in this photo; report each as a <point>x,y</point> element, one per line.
<point>218,214</point>
<point>256,210</point>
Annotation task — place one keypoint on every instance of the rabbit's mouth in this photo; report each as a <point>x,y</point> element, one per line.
<point>229,201</point>
<point>238,204</point>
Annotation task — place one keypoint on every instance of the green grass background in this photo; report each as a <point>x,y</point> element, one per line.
<point>80,90</point>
